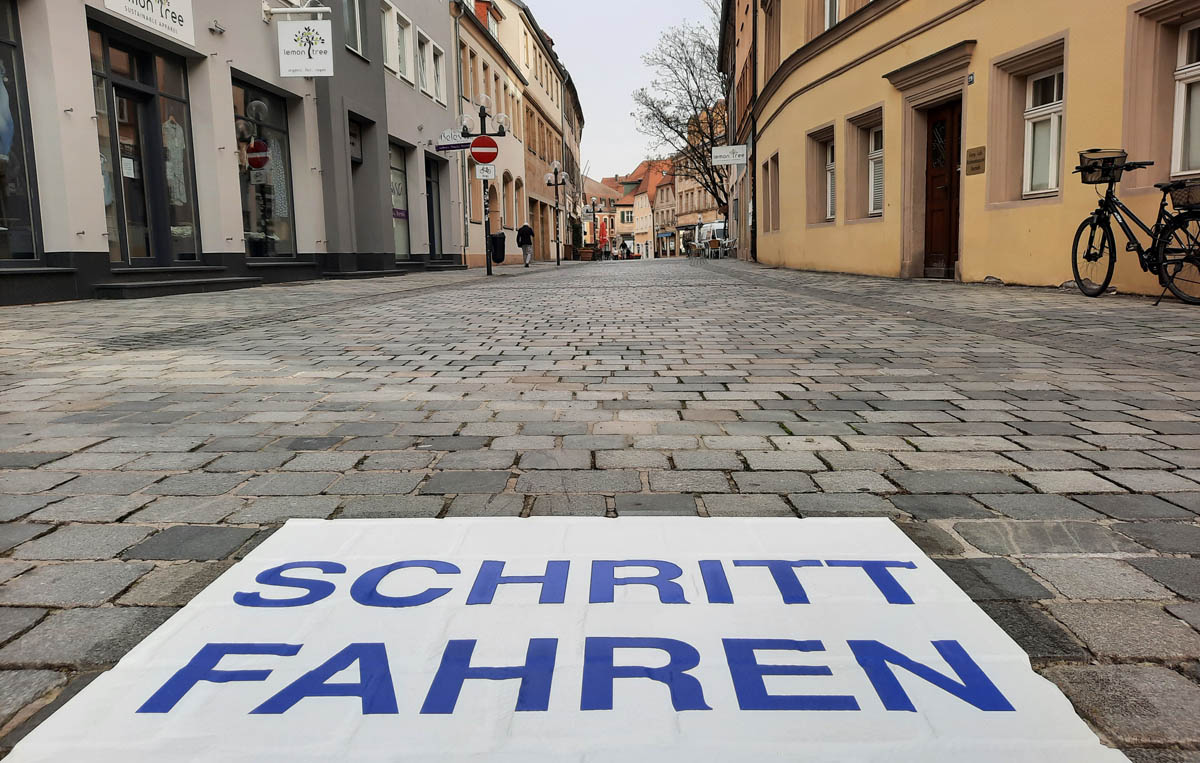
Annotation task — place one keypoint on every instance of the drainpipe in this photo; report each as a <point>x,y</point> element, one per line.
<point>456,10</point>
<point>753,175</point>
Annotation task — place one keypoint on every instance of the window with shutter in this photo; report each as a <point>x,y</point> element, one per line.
<point>830,183</point>
<point>875,172</point>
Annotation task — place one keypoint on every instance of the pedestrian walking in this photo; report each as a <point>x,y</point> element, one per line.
<point>525,241</point>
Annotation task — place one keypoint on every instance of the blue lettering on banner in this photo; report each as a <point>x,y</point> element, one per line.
<point>716,583</point>
<point>203,666</point>
<point>976,688</point>
<point>881,577</point>
<point>536,676</point>
<point>317,589</point>
<point>751,690</point>
<point>554,582</point>
<point>374,686</point>
<point>605,581</point>
<point>366,589</point>
<point>599,672</point>
<point>783,572</point>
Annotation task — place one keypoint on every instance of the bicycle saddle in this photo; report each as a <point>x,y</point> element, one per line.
<point>1171,186</point>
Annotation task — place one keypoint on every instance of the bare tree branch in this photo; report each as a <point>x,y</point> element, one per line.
<point>682,110</point>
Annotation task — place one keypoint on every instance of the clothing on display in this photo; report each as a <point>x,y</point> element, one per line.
<point>175,148</point>
<point>279,178</point>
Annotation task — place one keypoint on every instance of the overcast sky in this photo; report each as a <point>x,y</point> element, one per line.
<point>602,46</point>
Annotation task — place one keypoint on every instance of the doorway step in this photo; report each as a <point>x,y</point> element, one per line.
<point>140,283</point>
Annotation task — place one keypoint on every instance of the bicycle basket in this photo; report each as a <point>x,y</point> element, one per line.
<point>1187,197</point>
<point>1100,165</point>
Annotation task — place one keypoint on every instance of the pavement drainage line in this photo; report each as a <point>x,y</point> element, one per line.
<point>291,315</point>
<point>963,322</point>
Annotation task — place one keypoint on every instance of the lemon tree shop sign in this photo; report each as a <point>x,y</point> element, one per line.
<point>172,18</point>
<point>305,48</point>
<point>575,639</point>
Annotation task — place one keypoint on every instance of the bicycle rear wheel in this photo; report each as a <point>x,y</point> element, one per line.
<point>1093,256</point>
<point>1179,257</point>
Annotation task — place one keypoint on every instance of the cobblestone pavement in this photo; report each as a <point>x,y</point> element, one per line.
<point>1044,448</point>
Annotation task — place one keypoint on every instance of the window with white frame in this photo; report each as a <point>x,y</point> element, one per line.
<point>1043,128</point>
<point>493,27</point>
<point>830,183</point>
<point>439,74</point>
<point>875,172</point>
<point>352,13</point>
<point>397,41</point>
<point>831,13</point>
<point>423,62</point>
<point>1186,153</point>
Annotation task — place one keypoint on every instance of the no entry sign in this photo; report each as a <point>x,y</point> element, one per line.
<point>560,639</point>
<point>258,154</point>
<point>484,150</point>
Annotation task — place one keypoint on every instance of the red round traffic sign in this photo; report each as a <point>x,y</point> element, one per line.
<point>484,150</point>
<point>258,154</point>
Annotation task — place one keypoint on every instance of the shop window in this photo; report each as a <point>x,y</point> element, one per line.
<point>18,202</point>
<point>352,18</point>
<point>260,122</point>
<point>1025,123</point>
<point>864,168</point>
<point>1043,131</point>
<point>399,183</point>
<point>1186,143</point>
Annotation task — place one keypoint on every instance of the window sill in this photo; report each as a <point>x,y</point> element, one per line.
<point>358,53</point>
<point>1026,201</point>
<point>868,219</point>
<point>823,224</point>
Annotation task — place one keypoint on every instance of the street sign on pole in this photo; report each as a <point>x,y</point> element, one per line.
<point>485,172</point>
<point>484,149</point>
<point>727,155</point>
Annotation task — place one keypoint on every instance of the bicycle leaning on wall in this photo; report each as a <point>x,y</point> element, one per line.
<point>1174,251</point>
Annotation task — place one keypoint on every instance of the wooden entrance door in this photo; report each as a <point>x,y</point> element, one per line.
<point>941,189</point>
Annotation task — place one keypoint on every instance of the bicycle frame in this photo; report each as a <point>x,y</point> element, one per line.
<point>1111,206</point>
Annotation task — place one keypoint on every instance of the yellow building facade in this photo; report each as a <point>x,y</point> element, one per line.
<point>937,138</point>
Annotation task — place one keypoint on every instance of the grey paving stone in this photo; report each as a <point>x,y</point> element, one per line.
<point>556,459</point>
<point>199,484</point>
<point>148,445</point>
<point>1128,631</point>
<point>992,579</point>
<point>964,482</point>
<point>1150,481</point>
<point>27,482</point>
<point>1149,755</point>
<point>15,506</point>
<point>842,505</point>
<point>665,442</point>
<point>606,482</point>
<point>941,507</point>
<point>444,483</point>
<point>1032,537</point>
<point>81,638</point>
<point>951,461</point>
<point>392,507</point>
<point>1043,639</point>
<point>655,505</point>
<point>1189,501</point>
<point>1125,459</point>
<point>857,460</point>
<point>747,506</point>
<point>701,460</point>
<point>191,542</point>
<point>568,506</point>
<point>82,542</point>
<point>781,460</point>
<point>14,533</point>
<point>1169,537</point>
<point>774,482</point>
<point>296,483</point>
<point>689,482</point>
<point>1037,506</point>
<point>1049,460</point>
<point>323,462</point>
<point>27,460</point>
<point>470,460</point>
<point>161,462</point>
<point>1180,575</point>
<point>237,444</point>
<point>9,569</point>
<point>14,620</point>
<point>631,459</point>
<point>1189,613</point>
<point>931,539</point>
<point>1134,704</point>
<point>78,584</point>
<point>269,511</point>
<point>443,443</point>
<point>250,462</point>
<point>1097,578</point>
<point>85,461</point>
<point>18,688</point>
<point>174,585</point>
<point>400,461</point>
<point>1070,482</point>
<point>109,483</point>
<point>596,442</point>
<point>188,510</point>
<point>504,505</point>
<point>854,482</point>
<point>367,444</point>
<point>1135,507</point>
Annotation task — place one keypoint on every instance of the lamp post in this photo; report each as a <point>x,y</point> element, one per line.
<point>556,179</point>
<point>502,124</point>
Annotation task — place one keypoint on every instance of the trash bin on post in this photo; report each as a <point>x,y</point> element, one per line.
<point>497,246</point>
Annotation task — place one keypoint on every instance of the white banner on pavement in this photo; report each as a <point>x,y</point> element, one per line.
<point>575,639</point>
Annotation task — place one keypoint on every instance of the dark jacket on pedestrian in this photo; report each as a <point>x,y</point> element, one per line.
<point>524,235</point>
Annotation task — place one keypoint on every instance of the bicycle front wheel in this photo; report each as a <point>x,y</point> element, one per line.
<point>1093,256</point>
<point>1179,257</point>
